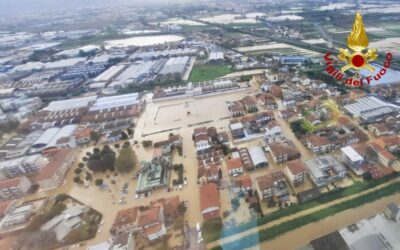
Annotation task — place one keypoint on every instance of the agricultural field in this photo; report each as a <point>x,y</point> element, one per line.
<point>206,72</point>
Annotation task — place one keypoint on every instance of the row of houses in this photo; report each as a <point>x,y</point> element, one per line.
<point>333,138</point>
<point>250,125</point>
<point>149,222</point>
<point>46,172</point>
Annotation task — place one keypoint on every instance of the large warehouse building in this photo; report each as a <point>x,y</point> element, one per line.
<point>370,109</point>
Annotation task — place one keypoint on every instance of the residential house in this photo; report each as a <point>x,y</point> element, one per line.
<point>246,159</point>
<point>208,173</point>
<point>52,174</point>
<point>202,142</point>
<point>268,100</point>
<point>273,130</point>
<point>390,143</point>
<point>384,156</point>
<point>250,103</point>
<point>381,129</point>
<point>82,135</point>
<point>14,188</point>
<point>242,184</point>
<point>237,109</point>
<point>148,221</point>
<point>235,166</point>
<point>296,172</point>
<point>237,130</point>
<point>352,159</point>
<point>318,144</point>
<point>282,152</point>
<point>324,170</point>
<point>125,221</point>
<point>288,99</point>
<point>276,91</point>
<point>209,201</point>
<point>151,221</point>
<point>223,138</point>
<point>272,185</point>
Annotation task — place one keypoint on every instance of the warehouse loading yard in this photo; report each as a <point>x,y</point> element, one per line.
<point>196,126</point>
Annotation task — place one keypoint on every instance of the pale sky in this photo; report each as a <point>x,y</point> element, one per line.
<point>14,6</point>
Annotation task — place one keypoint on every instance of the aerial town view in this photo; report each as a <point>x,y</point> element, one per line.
<point>194,125</point>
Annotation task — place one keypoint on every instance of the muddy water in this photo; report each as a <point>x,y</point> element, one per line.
<point>305,234</point>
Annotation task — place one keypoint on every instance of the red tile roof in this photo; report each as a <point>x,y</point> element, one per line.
<point>201,137</point>
<point>388,141</point>
<point>171,205</point>
<point>244,181</point>
<point>318,140</point>
<point>267,181</point>
<point>149,216</point>
<point>209,196</point>
<point>126,216</point>
<point>153,229</point>
<point>208,170</point>
<point>14,182</point>
<point>202,130</point>
<point>296,166</point>
<point>249,101</point>
<point>82,133</point>
<point>234,163</point>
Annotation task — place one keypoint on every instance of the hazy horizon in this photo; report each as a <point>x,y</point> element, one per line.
<point>10,7</point>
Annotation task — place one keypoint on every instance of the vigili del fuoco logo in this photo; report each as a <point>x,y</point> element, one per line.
<point>357,57</point>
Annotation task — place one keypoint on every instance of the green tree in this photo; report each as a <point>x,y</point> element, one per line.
<point>225,149</point>
<point>129,131</point>
<point>124,136</point>
<point>98,182</point>
<point>78,171</point>
<point>147,143</point>
<point>77,179</point>
<point>81,165</point>
<point>95,136</point>
<point>182,208</point>
<point>88,176</point>
<point>126,160</point>
<point>101,160</point>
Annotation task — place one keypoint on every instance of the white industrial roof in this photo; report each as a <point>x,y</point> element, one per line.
<point>109,73</point>
<point>175,65</point>
<point>64,63</point>
<point>66,131</point>
<point>46,137</point>
<point>115,101</point>
<point>70,103</point>
<point>257,155</point>
<point>366,104</point>
<point>352,154</point>
<point>136,71</point>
